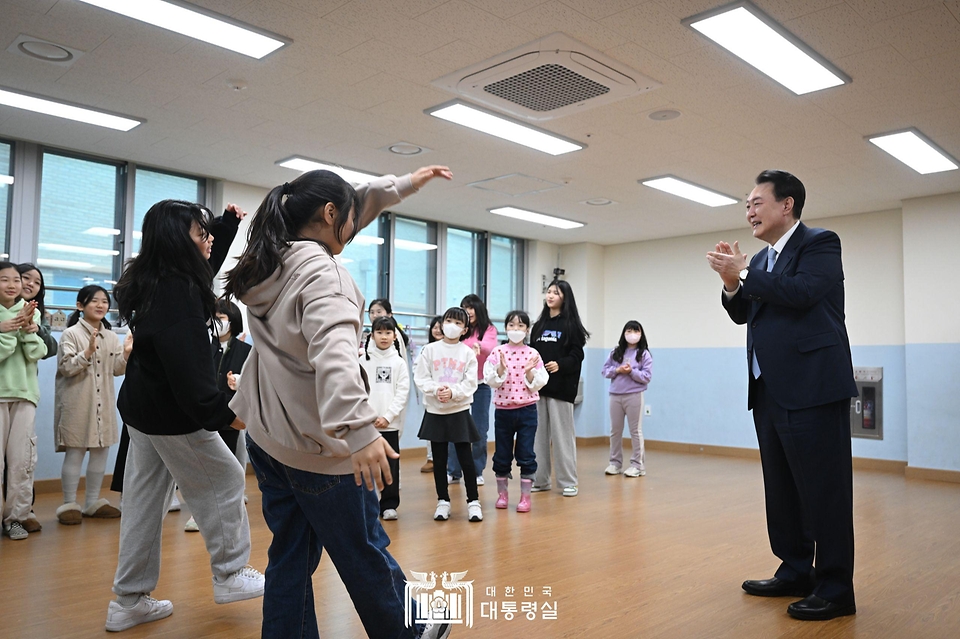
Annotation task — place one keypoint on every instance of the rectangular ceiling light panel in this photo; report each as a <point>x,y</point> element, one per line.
<point>536,218</point>
<point>498,126</point>
<point>916,151</point>
<point>194,22</point>
<point>688,190</point>
<point>751,35</point>
<point>302,164</point>
<point>46,106</point>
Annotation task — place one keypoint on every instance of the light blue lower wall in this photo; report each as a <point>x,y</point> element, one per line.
<point>699,396</point>
<point>933,405</point>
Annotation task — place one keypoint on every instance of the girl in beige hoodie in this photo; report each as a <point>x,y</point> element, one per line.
<point>304,400</point>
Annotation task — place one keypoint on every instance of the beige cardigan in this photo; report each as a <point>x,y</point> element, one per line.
<point>85,408</point>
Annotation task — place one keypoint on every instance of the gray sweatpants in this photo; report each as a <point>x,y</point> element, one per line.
<point>211,481</point>
<point>631,407</point>
<point>555,426</point>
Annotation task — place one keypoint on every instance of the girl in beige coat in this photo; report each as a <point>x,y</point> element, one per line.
<point>84,419</point>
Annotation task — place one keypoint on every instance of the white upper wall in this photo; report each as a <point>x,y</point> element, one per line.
<point>931,235</point>
<point>668,286</point>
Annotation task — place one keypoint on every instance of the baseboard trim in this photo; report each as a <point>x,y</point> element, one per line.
<point>932,474</point>
<point>43,486</point>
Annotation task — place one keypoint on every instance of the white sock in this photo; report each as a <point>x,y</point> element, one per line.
<point>96,467</point>
<point>70,473</point>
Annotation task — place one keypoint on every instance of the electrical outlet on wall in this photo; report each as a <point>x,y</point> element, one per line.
<point>646,409</point>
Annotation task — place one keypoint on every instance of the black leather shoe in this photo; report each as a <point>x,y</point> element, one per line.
<point>813,608</point>
<point>774,587</point>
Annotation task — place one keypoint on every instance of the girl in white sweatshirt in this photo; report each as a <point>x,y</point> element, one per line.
<point>446,374</point>
<point>389,382</point>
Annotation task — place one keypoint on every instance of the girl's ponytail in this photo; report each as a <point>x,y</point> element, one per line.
<point>366,345</point>
<point>268,235</point>
<point>73,318</point>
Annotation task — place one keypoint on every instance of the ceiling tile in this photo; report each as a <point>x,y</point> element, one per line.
<point>835,32</point>
<point>923,33</point>
<point>655,29</point>
<point>464,21</point>
<point>505,8</point>
<point>881,10</point>
<point>597,9</point>
<point>553,16</point>
<point>395,61</point>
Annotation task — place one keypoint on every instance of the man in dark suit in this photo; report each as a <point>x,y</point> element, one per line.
<point>790,296</point>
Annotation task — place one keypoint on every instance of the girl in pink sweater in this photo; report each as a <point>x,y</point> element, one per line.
<point>516,371</point>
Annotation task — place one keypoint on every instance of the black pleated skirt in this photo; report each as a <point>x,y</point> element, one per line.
<point>456,428</point>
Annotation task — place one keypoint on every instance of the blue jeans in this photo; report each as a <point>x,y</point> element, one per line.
<point>307,513</point>
<point>480,411</point>
<point>522,424</point>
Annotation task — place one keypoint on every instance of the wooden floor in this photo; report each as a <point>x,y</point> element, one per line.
<point>658,556</point>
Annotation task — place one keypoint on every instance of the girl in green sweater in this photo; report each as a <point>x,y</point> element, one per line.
<point>20,349</point>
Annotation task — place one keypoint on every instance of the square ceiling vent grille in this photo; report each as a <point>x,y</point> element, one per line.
<point>547,87</point>
<point>546,79</point>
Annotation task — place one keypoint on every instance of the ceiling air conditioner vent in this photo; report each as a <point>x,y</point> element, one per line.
<point>547,79</point>
<point>547,87</point>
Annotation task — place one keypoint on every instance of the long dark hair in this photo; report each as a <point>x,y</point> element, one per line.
<point>436,320</point>
<point>280,218</point>
<point>84,297</point>
<point>26,267</point>
<point>382,324</point>
<point>166,250</point>
<point>573,329</point>
<point>622,346</point>
<point>482,322</point>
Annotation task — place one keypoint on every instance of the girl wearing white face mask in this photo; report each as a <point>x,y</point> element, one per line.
<point>630,368</point>
<point>516,371</point>
<point>446,374</point>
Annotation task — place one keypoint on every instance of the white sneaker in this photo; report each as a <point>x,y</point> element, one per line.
<point>571,491</point>
<point>633,471</point>
<point>146,609</point>
<point>474,513</point>
<point>246,583</point>
<point>192,525</point>
<point>613,470</point>
<point>436,631</point>
<point>539,489</point>
<point>452,480</point>
<point>443,510</point>
<point>389,514</point>
<point>15,530</point>
<point>174,504</point>
<point>480,481</point>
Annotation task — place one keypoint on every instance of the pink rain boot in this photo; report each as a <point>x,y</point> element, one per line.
<point>525,486</point>
<point>502,498</point>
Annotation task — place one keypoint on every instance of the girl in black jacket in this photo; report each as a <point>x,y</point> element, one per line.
<point>172,407</point>
<point>559,336</point>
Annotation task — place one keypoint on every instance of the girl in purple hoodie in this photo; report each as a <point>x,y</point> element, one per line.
<point>629,368</point>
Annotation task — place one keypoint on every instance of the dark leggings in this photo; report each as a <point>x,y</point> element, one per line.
<point>465,456</point>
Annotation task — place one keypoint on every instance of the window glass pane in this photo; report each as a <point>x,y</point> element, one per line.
<point>79,202</point>
<point>463,265</point>
<point>505,288</point>
<point>414,267</point>
<point>362,257</point>
<point>153,186</point>
<point>6,192</point>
